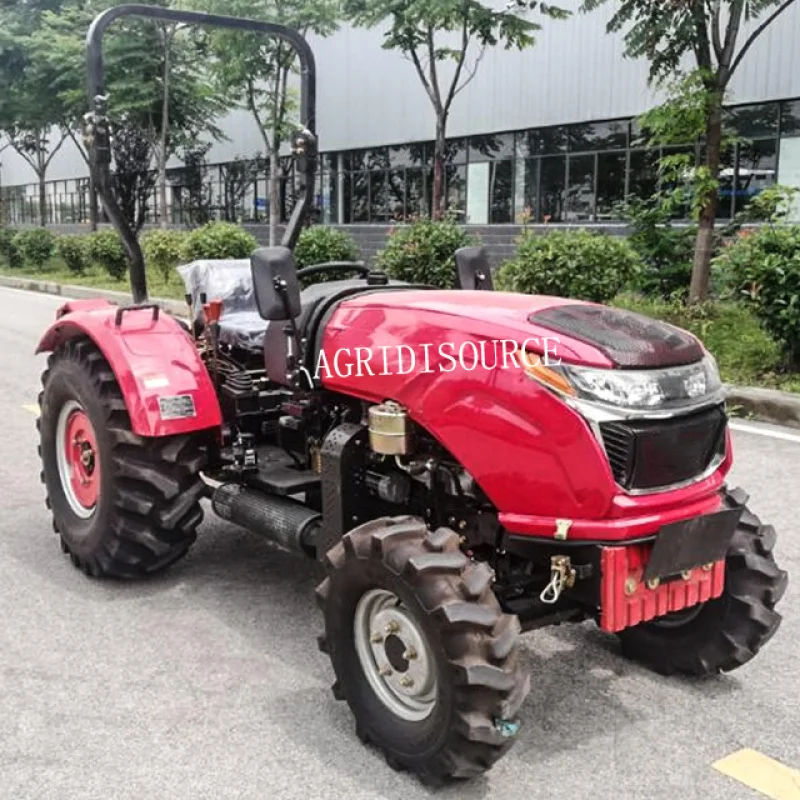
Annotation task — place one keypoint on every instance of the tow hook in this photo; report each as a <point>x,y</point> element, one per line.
<point>562,576</point>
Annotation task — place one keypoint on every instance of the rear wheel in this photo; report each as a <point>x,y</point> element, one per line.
<point>422,653</point>
<point>725,633</point>
<point>123,505</point>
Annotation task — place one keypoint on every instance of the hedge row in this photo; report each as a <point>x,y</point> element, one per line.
<point>759,270</point>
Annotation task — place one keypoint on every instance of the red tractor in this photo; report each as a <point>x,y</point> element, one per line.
<point>578,476</point>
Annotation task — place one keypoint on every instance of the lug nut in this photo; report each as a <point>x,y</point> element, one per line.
<point>376,638</point>
<point>406,682</point>
<point>385,671</point>
<point>392,627</point>
<point>410,654</point>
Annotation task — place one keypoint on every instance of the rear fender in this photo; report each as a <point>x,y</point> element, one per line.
<point>165,384</point>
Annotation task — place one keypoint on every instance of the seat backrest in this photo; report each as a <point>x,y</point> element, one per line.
<point>473,268</point>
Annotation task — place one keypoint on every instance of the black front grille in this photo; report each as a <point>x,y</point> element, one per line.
<point>648,454</point>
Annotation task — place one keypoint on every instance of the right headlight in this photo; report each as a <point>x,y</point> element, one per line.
<point>636,389</point>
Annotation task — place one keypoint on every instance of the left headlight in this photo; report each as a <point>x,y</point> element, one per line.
<point>634,389</point>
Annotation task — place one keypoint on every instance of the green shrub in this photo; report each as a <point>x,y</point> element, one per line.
<point>72,250</point>
<point>105,249</point>
<point>162,250</point>
<point>8,249</point>
<point>321,244</point>
<point>762,268</point>
<point>745,352</point>
<point>218,240</point>
<point>667,251</point>
<point>36,245</point>
<point>424,253</point>
<point>579,264</point>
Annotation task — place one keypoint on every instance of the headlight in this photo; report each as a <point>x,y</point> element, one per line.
<point>634,389</point>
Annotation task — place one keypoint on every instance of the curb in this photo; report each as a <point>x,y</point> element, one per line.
<point>767,405</point>
<point>71,291</point>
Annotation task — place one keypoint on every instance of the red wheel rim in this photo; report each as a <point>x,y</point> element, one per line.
<point>80,451</point>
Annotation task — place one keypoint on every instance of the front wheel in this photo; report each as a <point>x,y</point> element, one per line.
<point>124,505</point>
<point>422,653</point>
<point>724,633</point>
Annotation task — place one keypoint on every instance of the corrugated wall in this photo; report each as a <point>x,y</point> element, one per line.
<point>575,73</point>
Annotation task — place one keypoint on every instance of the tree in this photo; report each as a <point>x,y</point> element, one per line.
<point>711,33</point>
<point>437,34</point>
<point>156,81</point>
<point>254,70</point>
<point>31,116</point>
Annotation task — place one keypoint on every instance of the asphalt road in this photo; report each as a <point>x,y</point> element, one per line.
<point>207,682</point>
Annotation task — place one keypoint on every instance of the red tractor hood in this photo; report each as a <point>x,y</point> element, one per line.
<point>571,331</point>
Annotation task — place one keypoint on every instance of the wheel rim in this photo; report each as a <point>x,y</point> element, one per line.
<point>677,619</point>
<point>78,463</point>
<point>395,655</point>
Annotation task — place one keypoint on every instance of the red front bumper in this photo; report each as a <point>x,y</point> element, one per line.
<point>625,600</point>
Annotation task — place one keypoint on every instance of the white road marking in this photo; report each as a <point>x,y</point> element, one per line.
<point>743,427</point>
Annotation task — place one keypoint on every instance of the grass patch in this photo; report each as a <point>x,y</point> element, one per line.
<point>747,355</point>
<point>96,277</point>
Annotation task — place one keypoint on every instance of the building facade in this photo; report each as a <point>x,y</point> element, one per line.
<point>548,133</point>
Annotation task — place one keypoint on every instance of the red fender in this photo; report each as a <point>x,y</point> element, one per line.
<point>165,384</point>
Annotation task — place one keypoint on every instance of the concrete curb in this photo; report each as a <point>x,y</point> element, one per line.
<point>73,292</point>
<point>768,405</point>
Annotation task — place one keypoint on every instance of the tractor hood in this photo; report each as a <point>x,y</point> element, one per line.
<point>579,333</point>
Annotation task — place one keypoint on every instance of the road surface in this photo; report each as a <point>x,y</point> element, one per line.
<point>207,682</point>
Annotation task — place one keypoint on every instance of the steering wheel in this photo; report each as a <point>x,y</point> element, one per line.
<point>331,266</point>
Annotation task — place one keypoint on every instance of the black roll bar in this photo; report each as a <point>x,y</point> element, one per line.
<point>98,138</point>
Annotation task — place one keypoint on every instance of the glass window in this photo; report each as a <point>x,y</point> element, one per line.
<point>456,189</point>
<point>377,158</point>
<point>355,160</point>
<point>396,194</point>
<point>527,202</point>
<point>610,183</point>
<point>726,188</point>
<point>552,140</point>
<point>378,199</point>
<point>753,121</point>
<point>757,170</point>
<point>399,156</point>
<point>492,147</point>
<point>580,195</point>
<point>790,118</point>
<point>598,136</point>
<point>552,185</point>
<point>527,143</point>
<point>501,192</point>
<point>360,197</point>
<point>643,176</point>
<point>455,151</point>
<point>418,182</point>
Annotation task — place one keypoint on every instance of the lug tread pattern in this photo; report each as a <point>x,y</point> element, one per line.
<point>489,681</point>
<point>157,485</point>
<point>731,630</point>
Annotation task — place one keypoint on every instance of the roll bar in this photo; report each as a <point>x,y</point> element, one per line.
<point>97,135</point>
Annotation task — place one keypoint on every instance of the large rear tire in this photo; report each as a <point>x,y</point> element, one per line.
<point>727,632</point>
<point>123,505</point>
<point>423,655</point>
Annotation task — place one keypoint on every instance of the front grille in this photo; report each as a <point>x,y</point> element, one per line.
<point>648,454</point>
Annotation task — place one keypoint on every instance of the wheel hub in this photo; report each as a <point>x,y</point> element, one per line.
<point>395,656</point>
<point>78,463</point>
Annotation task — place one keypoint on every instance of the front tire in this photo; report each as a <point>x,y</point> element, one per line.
<point>123,505</point>
<point>422,653</point>
<point>727,632</point>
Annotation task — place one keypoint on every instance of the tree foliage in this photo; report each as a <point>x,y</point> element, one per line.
<point>716,35</point>
<point>445,40</point>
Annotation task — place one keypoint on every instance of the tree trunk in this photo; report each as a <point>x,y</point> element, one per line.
<point>273,188</point>
<point>438,199</point>
<point>94,206</point>
<point>162,147</point>
<point>42,200</point>
<point>704,244</point>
